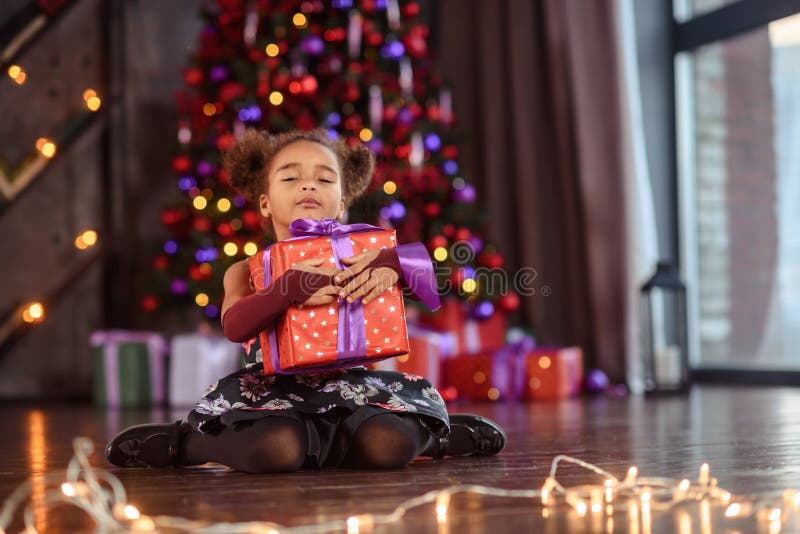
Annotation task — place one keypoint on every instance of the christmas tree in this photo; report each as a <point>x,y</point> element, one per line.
<point>360,69</point>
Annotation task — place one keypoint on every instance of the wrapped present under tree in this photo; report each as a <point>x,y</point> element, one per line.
<point>129,368</point>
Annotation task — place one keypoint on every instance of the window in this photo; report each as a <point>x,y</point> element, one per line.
<point>738,137</point>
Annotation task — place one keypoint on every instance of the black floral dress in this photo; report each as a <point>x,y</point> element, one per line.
<point>330,404</point>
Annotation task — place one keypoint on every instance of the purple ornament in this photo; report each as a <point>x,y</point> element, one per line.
<point>398,210</point>
<point>476,244</point>
<point>393,50</point>
<point>211,310</point>
<point>342,4</point>
<point>218,73</point>
<point>432,142</point>
<point>596,381</point>
<point>239,201</point>
<point>312,45</point>
<point>204,168</point>
<point>334,119</point>
<point>375,145</point>
<point>482,310</point>
<point>466,194</point>
<point>450,167</point>
<point>404,116</point>
<point>170,247</point>
<point>251,113</point>
<point>186,183</point>
<point>179,286</point>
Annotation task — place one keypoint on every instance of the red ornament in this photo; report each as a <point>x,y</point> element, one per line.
<point>149,303</point>
<point>491,260</point>
<point>251,220</point>
<point>436,242</point>
<point>508,302</point>
<point>224,229</point>
<point>463,234</point>
<point>415,46</point>
<point>351,92</point>
<point>353,123</point>
<point>449,230</point>
<point>432,209</point>
<point>231,91</point>
<point>193,76</point>
<point>308,84</point>
<point>160,262</point>
<point>389,113</point>
<point>194,273</point>
<point>411,9</point>
<point>434,113</point>
<point>450,152</point>
<point>202,224</point>
<point>181,164</point>
<point>224,141</point>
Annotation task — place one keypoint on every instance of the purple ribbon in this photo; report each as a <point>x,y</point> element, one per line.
<point>351,341</point>
<point>508,369</point>
<point>156,349</point>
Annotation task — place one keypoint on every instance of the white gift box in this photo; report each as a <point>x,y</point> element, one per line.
<point>197,361</point>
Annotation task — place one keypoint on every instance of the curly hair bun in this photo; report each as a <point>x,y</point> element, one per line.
<point>245,161</point>
<point>357,171</point>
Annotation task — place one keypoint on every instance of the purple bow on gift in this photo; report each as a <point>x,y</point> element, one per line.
<point>415,263</point>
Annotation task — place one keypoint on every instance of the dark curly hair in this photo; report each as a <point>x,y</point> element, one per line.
<point>248,159</point>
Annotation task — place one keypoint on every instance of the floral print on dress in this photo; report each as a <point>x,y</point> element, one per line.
<point>249,393</point>
<point>254,385</point>
<point>217,406</point>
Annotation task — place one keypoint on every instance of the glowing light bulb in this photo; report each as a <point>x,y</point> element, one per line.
<point>46,147</point>
<point>733,510</point>
<point>67,489</point>
<point>389,187</point>
<point>250,248</point>
<point>365,134</point>
<point>33,313</point>
<point>276,98</point>
<point>223,205</point>
<point>131,512</point>
<point>230,249</point>
<point>201,299</point>
<point>440,254</point>
<point>272,50</point>
<point>299,20</point>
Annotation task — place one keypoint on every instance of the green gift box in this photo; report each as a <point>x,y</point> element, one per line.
<point>129,368</point>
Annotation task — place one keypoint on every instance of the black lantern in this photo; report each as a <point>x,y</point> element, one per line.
<point>664,346</point>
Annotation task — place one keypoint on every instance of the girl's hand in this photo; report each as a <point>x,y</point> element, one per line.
<point>368,283</point>
<point>324,295</point>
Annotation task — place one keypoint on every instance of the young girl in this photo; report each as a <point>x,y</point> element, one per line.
<point>356,418</point>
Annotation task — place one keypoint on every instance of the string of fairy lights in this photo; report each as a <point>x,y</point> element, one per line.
<point>33,312</point>
<point>102,496</point>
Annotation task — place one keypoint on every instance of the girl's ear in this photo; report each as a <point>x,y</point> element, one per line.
<point>263,205</point>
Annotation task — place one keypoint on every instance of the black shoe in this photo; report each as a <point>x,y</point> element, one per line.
<point>149,445</point>
<point>471,435</point>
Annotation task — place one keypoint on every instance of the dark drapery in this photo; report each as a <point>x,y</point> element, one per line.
<point>535,87</point>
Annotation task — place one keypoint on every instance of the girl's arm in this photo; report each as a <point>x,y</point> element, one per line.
<point>245,314</point>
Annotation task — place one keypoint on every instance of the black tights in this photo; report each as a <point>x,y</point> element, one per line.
<point>278,444</point>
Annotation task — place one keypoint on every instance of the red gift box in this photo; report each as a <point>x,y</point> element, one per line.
<point>327,336</point>
<point>427,349</point>
<point>490,375</point>
<point>553,372</point>
<point>472,335</point>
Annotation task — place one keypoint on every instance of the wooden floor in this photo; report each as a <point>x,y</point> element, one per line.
<point>750,437</point>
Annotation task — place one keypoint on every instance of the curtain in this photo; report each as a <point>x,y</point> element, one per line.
<point>535,86</point>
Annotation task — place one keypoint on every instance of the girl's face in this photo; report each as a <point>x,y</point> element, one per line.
<point>303,182</point>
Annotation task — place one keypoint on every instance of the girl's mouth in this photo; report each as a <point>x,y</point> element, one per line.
<point>309,204</point>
